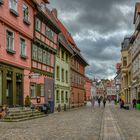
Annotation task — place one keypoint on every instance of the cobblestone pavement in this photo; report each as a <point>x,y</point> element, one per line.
<point>85,123</point>
<point>79,124</point>
<point>128,121</point>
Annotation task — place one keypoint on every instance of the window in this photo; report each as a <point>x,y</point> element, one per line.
<point>66,76</point>
<point>62,53</point>
<point>62,75</point>
<point>58,73</point>
<point>48,58</point>
<point>25,12</point>
<point>13,4</point>
<point>49,33</point>
<point>38,24</point>
<point>66,96</point>
<point>34,52</point>
<point>42,90</point>
<point>10,40</point>
<point>33,90</point>
<point>67,58</point>
<point>57,96</point>
<point>39,54</point>
<point>44,57</point>
<point>124,61</point>
<point>22,47</point>
<point>62,96</point>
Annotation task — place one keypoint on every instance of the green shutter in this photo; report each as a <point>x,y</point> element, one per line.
<point>38,89</point>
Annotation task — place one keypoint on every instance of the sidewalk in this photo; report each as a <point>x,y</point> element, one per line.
<point>110,129</point>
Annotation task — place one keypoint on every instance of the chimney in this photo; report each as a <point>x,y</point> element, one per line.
<point>54,12</point>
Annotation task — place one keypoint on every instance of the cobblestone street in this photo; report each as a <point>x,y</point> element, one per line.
<point>83,123</point>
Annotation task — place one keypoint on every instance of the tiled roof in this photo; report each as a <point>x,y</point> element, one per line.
<point>70,40</point>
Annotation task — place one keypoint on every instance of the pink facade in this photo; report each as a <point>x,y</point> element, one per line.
<point>88,85</point>
<point>27,54</point>
<point>13,31</point>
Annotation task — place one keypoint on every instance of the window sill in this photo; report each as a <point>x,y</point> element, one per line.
<point>26,21</point>
<point>11,51</point>
<point>23,56</point>
<point>15,13</point>
<point>1,2</point>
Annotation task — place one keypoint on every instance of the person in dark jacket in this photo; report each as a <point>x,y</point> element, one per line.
<point>99,101</point>
<point>134,103</point>
<point>104,102</point>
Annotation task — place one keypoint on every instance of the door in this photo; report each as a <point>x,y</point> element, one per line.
<point>19,96</point>
<point>9,93</point>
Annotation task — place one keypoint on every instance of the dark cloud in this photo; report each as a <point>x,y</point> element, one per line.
<point>98,27</point>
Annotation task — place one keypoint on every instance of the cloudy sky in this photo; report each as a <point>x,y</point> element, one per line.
<point>98,27</point>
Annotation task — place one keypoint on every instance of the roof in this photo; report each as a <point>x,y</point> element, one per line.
<point>47,13</point>
<point>70,40</point>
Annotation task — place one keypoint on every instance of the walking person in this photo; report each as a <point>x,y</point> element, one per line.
<point>134,103</point>
<point>99,101</point>
<point>104,102</point>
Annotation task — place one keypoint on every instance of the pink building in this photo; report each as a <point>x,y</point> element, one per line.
<point>88,85</point>
<point>44,48</point>
<point>27,52</point>
<point>16,34</point>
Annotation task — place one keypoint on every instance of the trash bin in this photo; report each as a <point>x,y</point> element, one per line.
<point>138,106</point>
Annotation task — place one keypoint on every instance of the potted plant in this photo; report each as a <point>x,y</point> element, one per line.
<point>27,101</point>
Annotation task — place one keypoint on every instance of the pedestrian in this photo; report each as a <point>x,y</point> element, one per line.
<point>104,102</point>
<point>99,101</point>
<point>134,103</point>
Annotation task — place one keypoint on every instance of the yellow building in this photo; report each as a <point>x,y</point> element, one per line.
<point>126,70</point>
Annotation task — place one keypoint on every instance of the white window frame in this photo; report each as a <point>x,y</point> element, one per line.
<point>24,7</point>
<point>23,54</point>
<point>7,47</point>
<point>31,86</point>
<point>13,4</point>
